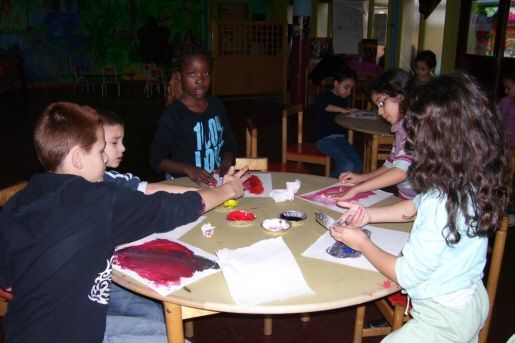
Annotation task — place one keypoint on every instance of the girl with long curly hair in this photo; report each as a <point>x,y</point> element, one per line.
<point>460,167</point>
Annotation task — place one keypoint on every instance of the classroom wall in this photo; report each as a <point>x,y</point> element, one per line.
<point>409,33</point>
<point>54,36</point>
<point>433,38</point>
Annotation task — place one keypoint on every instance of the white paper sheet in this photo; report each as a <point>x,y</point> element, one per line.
<point>266,178</point>
<point>263,272</point>
<point>171,235</point>
<point>366,198</point>
<point>165,289</point>
<point>391,241</point>
<point>365,115</point>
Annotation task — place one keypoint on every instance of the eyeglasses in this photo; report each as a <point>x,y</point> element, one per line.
<point>381,103</point>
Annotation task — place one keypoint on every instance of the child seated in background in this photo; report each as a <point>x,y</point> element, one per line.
<point>506,106</point>
<point>57,236</point>
<point>114,132</point>
<point>388,93</point>
<point>123,302</point>
<point>425,64</point>
<point>330,137</point>
<point>193,136</point>
<point>464,189</point>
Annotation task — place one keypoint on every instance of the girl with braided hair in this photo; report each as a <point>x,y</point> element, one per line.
<point>193,137</point>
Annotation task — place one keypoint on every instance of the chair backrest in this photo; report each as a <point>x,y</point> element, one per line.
<point>256,163</point>
<point>297,110</point>
<point>149,66</point>
<point>8,192</point>
<point>251,138</point>
<point>493,274</point>
<point>109,73</point>
<point>361,92</point>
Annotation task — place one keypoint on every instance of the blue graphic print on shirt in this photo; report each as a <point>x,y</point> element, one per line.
<point>209,144</point>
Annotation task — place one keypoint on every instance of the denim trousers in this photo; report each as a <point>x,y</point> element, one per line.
<point>133,318</point>
<point>345,156</point>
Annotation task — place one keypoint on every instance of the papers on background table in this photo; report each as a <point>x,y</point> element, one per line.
<point>391,241</point>
<point>150,276</point>
<point>265,178</point>
<point>366,199</point>
<point>263,272</point>
<point>364,115</point>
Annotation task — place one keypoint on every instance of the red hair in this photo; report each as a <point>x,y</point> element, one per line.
<point>62,126</point>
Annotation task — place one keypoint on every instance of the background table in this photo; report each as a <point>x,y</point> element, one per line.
<point>377,129</point>
<point>336,285</point>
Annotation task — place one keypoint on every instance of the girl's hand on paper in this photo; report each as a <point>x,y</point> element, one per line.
<point>200,176</point>
<point>350,177</point>
<point>346,195</point>
<point>353,236</point>
<point>357,215</point>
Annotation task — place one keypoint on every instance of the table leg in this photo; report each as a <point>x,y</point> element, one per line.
<point>173,319</point>
<point>350,137</point>
<point>373,154</point>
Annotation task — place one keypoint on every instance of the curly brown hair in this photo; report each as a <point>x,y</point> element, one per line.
<point>456,137</point>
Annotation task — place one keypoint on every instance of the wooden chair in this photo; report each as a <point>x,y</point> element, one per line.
<point>109,78</point>
<point>378,152</point>
<point>81,81</point>
<point>393,307</point>
<point>154,80</point>
<point>254,163</point>
<point>361,93</point>
<point>301,151</point>
<point>251,132</point>
<point>6,194</point>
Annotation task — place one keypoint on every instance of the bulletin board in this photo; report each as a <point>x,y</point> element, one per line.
<point>347,26</point>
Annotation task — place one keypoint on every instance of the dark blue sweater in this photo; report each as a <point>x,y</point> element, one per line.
<point>57,238</point>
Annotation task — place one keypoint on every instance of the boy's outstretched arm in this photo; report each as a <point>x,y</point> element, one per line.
<point>196,174</point>
<point>231,188</point>
<point>165,187</point>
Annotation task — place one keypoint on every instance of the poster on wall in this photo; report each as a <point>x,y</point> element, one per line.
<point>347,26</point>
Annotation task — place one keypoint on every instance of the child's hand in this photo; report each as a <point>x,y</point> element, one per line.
<point>346,195</point>
<point>350,177</point>
<point>349,110</point>
<point>199,176</point>
<point>357,215</point>
<point>353,236</point>
<point>236,180</point>
<point>5,294</point>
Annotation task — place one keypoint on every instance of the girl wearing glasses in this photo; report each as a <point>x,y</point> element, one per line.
<point>461,169</point>
<point>388,93</point>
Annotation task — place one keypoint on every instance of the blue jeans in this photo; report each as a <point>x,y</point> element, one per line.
<point>345,156</point>
<point>123,302</point>
<point>133,318</point>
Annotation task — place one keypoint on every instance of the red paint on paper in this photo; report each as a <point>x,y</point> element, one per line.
<point>240,215</point>
<point>254,185</point>
<point>324,198</point>
<point>162,261</point>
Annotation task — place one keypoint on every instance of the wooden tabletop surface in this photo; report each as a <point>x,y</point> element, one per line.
<point>336,285</point>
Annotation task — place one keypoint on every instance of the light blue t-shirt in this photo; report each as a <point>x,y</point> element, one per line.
<point>428,266</point>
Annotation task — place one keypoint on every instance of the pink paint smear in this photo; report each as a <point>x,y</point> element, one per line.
<point>323,198</point>
<point>161,261</point>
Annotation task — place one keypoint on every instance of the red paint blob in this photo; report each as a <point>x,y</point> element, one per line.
<point>254,185</point>
<point>162,262</point>
<point>240,215</point>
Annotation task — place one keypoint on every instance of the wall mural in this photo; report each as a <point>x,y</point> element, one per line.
<point>44,41</point>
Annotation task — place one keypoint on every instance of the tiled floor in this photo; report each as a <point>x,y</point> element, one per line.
<point>19,110</point>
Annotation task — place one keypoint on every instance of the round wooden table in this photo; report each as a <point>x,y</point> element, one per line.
<point>377,129</point>
<point>336,285</point>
